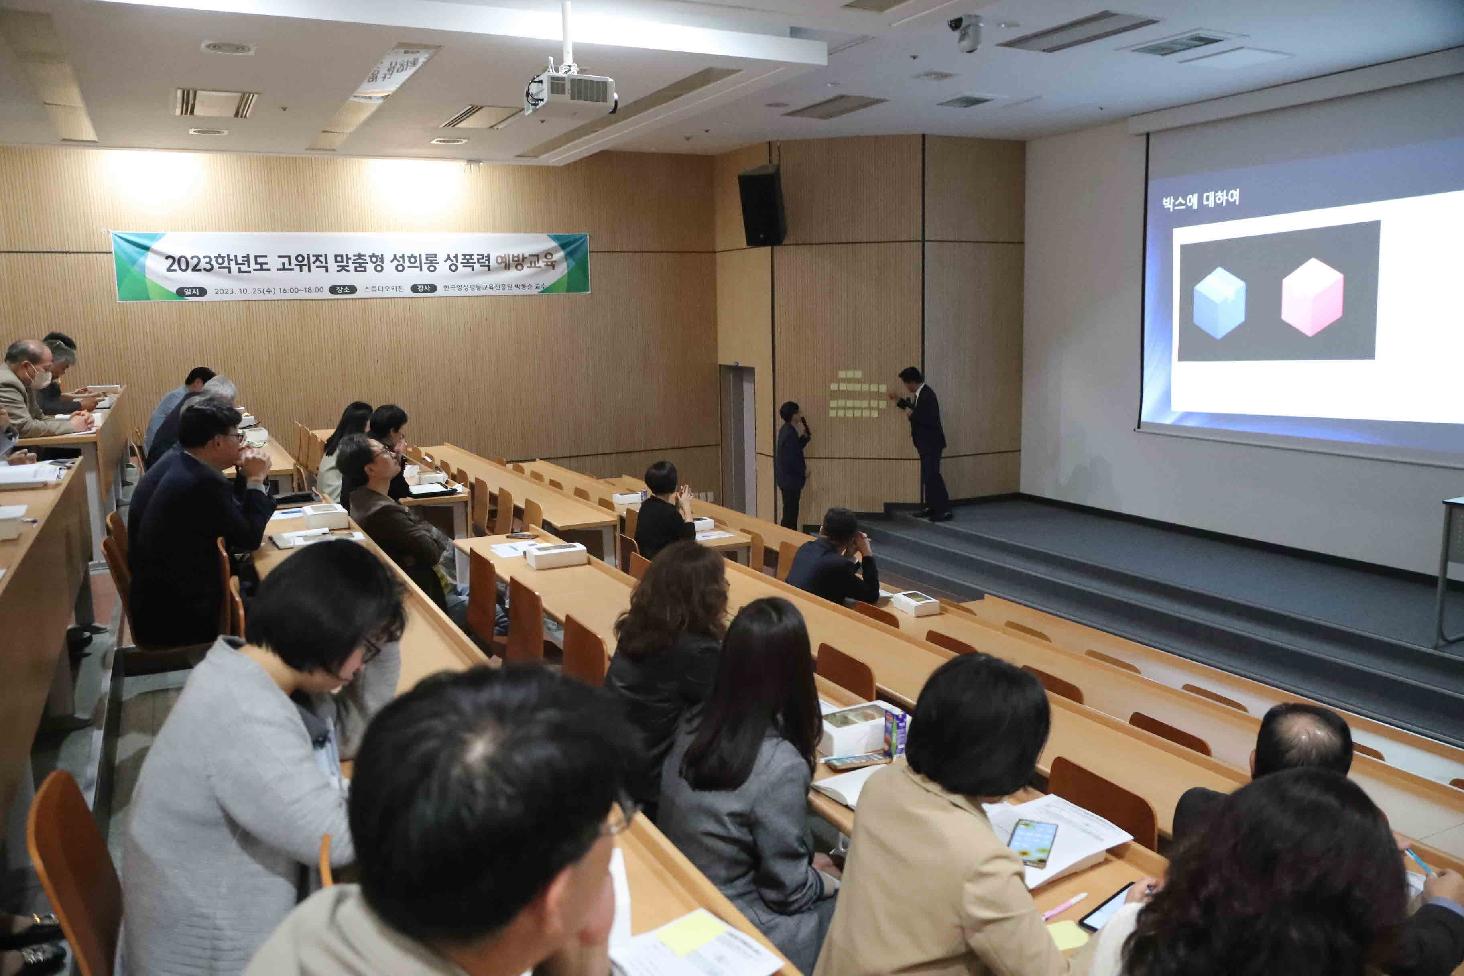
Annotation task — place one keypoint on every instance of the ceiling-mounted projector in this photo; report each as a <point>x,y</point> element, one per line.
<point>564,93</point>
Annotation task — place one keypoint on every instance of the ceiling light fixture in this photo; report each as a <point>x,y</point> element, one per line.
<point>441,141</point>
<point>228,47</point>
<point>208,132</point>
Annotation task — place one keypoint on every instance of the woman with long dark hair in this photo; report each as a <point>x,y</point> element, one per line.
<point>734,787</point>
<point>353,421</point>
<point>666,655</point>
<point>1297,873</point>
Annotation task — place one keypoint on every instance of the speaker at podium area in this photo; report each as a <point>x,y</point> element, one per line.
<point>763,219</point>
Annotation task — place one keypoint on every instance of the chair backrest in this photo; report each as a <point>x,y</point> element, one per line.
<point>480,506</point>
<point>555,484</point>
<point>1056,685</point>
<point>1092,792</point>
<point>1366,750</point>
<point>756,552</point>
<point>876,613</point>
<point>499,461</point>
<point>301,444</point>
<point>117,529</point>
<point>1215,697</point>
<point>226,573</point>
<point>519,468</point>
<point>638,566</point>
<point>302,478</point>
<point>607,503</point>
<point>848,673</point>
<point>525,624</point>
<point>584,653</point>
<point>533,514</point>
<point>482,596</point>
<point>1117,662</point>
<point>327,876</point>
<point>1171,732</point>
<point>583,493</point>
<point>139,460</point>
<point>236,608</point>
<point>314,452</point>
<point>955,606</point>
<point>1029,631</point>
<point>1457,782</point>
<point>503,522</point>
<point>624,547</point>
<point>632,519</point>
<point>121,577</point>
<point>70,856</point>
<point>949,643</point>
<point>536,475</point>
<point>787,551</point>
<point>460,475</point>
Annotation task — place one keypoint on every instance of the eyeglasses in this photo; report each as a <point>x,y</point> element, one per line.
<point>372,652</point>
<point>621,814</point>
<point>238,435</point>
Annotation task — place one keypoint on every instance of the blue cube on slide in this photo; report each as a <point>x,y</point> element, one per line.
<point>1219,303</point>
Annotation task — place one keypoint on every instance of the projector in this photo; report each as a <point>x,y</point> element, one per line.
<point>569,95</point>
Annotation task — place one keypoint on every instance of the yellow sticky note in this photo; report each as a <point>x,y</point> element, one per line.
<point>689,933</point>
<point>1067,935</point>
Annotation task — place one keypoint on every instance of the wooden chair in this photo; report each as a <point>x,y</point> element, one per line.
<point>235,600</point>
<point>483,600</point>
<point>556,485</point>
<point>518,468</point>
<point>226,573</point>
<point>949,643</point>
<point>1361,749</point>
<point>632,519</point>
<point>1056,685</point>
<point>955,606</point>
<point>301,445</point>
<point>1029,631</point>
<point>1457,783</point>
<point>480,507</point>
<point>757,552</point>
<point>525,624</point>
<point>606,503</point>
<point>117,529</point>
<point>583,494</point>
<point>876,613</point>
<point>1166,731</point>
<point>584,653</point>
<point>327,875</point>
<point>302,478</point>
<point>1092,792</point>
<point>499,461</point>
<point>638,566</point>
<point>1214,697</point>
<point>1117,662</point>
<point>139,460</point>
<point>533,514</point>
<point>537,476</point>
<point>460,475</point>
<point>848,673</point>
<point>624,547</point>
<point>503,520</point>
<point>70,856</point>
<point>786,553</point>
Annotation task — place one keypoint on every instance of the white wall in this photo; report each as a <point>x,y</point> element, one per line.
<point>1080,391</point>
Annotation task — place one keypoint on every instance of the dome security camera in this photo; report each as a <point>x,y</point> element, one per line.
<point>968,32</point>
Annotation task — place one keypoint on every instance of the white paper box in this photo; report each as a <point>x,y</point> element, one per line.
<point>915,604</point>
<point>256,437</point>
<point>853,731</point>
<point>10,516</point>
<point>627,499</point>
<point>553,555</point>
<point>247,420</point>
<point>326,517</point>
<point>703,524</point>
<point>428,477</point>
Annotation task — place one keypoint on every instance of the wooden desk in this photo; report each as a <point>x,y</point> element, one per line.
<point>281,475</point>
<point>1418,754</point>
<point>1415,806</point>
<point>103,456</point>
<point>664,885</point>
<point>45,571</point>
<point>562,511</point>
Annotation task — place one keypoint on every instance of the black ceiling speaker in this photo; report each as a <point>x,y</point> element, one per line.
<point>763,219</point>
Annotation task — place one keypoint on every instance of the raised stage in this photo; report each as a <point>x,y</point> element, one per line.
<point>1341,632</point>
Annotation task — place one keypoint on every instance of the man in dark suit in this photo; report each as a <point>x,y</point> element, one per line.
<point>1295,735</point>
<point>824,566</point>
<point>790,471</point>
<point>176,589</point>
<point>923,408</point>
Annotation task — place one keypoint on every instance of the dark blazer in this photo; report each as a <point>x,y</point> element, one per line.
<point>925,428</point>
<point>789,468</point>
<point>655,689</point>
<point>52,400</point>
<point>1432,940</point>
<point>658,525</point>
<point>167,434</point>
<point>399,488</point>
<point>403,536</point>
<point>176,589</point>
<point>821,569</point>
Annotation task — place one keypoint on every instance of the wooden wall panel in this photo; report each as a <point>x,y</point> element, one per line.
<point>628,368</point>
<point>847,307</point>
<point>766,505</point>
<point>745,327</point>
<point>700,467</point>
<point>69,198</point>
<point>726,202</point>
<point>975,189</point>
<point>973,343</point>
<point>863,485</point>
<point>843,190</point>
<point>976,475</point>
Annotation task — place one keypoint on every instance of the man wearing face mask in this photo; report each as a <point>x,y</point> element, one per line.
<point>27,370</point>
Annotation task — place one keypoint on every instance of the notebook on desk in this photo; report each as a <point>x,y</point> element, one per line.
<point>19,477</point>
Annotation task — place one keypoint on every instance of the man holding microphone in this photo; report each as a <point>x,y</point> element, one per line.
<point>790,471</point>
<point>923,409</point>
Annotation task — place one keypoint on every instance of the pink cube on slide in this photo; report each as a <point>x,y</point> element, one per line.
<point>1311,297</point>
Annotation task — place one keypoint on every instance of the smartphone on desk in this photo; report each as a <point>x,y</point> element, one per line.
<point>842,764</point>
<point>1032,841</point>
<point>1098,917</point>
<point>522,535</point>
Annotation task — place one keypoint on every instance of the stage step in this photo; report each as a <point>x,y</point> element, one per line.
<point>1383,678</point>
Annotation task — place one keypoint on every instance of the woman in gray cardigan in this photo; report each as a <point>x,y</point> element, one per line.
<point>734,787</point>
<point>244,776</point>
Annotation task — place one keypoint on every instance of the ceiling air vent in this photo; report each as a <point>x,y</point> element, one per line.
<point>876,6</point>
<point>934,76</point>
<point>1182,43</point>
<point>204,103</point>
<point>965,101</point>
<point>1084,30</point>
<point>480,117</point>
<point>832,108</point>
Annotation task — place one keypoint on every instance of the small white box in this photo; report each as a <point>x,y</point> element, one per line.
<point>247,420</point>
<point>703,524</point>
<point>256,437</point>
<point>326,517</point>
<point>10,516</point>
<point>554,555</point>
<point>627,499</point>
<point>854,731</point>
<point>915,604</point>
<point>103,388</point>
<point>426,476</point>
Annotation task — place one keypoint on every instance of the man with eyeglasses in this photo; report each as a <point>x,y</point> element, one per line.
<point>483,809</point>
<point>179,511</point>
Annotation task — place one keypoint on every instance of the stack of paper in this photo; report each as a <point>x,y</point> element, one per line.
<point>697,944</point>
<point>507,550</point>
<point>14,477</point>
<point>1082,838</point>
<point>712,535</point>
